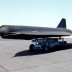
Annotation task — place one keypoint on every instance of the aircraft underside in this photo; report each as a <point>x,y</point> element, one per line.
<point>29,37</point>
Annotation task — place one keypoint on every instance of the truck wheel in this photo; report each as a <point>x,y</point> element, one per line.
<point>65,44</point>
<point>44,48</point>
<point>31,47</point>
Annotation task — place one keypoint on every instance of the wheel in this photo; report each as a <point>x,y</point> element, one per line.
<point>65,44</point>
<point>31,47</point>
<point>44,48</point>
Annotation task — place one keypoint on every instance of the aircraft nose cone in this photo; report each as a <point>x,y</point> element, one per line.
<point>3,30</point>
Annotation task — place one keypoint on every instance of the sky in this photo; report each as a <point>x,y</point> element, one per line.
<point>43,13</point>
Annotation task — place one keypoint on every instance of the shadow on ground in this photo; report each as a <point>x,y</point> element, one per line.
<point>28,53</point>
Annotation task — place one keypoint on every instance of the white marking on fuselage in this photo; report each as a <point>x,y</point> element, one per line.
<point>34,31</point>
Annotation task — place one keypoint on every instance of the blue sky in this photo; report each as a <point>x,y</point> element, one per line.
<point>45,13</point>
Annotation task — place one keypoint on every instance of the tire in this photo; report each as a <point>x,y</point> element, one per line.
<point>65,44</point>
<point>44,48</point>
<point>31,47</point>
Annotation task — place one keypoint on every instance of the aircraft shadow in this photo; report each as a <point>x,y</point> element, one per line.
<point>28,53</point>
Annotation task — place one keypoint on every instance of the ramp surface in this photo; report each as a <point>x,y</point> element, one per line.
<point>15,57</point>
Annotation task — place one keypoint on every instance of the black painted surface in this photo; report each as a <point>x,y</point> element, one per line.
<point>30,32</point>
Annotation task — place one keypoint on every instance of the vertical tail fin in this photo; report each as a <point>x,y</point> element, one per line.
<point>62,23</point>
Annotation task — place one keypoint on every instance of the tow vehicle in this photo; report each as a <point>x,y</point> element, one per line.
<point>45,44</point>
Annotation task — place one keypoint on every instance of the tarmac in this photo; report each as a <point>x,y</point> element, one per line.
<point>15,57</point>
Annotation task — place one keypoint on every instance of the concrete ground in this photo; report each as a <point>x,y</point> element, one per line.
<point>15,57</point>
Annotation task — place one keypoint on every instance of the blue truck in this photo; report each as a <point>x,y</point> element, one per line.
<point>47,44</point>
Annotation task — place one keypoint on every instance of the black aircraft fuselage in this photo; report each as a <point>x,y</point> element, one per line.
<point>30,32</point>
